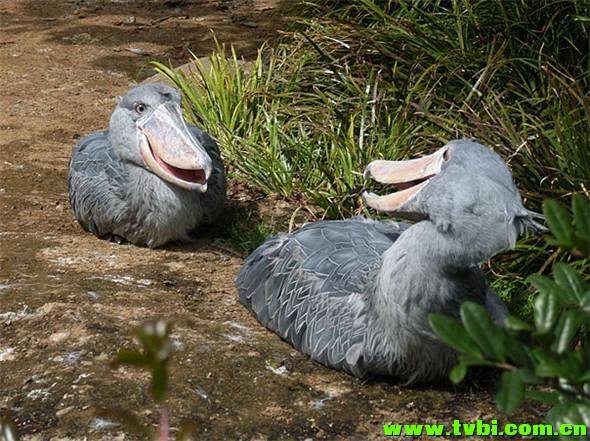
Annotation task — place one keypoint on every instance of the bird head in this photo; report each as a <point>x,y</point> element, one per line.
<point>147,129</point>
<point>464,188</point>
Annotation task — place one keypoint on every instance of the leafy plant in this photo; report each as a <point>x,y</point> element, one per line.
<point>368,79</point>
<point>157,350</point>
<point>548,360</point>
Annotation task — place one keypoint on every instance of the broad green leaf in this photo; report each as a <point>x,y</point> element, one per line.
<point>511,393</point>
<point>581,210</point>
<point>458,373</point>
<point>566,329</point>
<point>574,364</point>
<point>546,312</point>
<point>569,280</point>
<point>559,222</point>
<point>548,286</point>
<point>546,366</point>
<point>454,334</point>
<point>544,397</point>
<point>476,360</point>
<point>517,324</point>
<point>486,334</point>
<point>517,351</point>
<point>576,413</point>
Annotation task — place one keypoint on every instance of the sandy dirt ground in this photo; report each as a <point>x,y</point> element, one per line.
<point>69,301</point>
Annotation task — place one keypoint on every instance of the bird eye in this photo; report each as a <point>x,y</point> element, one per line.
<point>140,107</point>
<point>446,155</point>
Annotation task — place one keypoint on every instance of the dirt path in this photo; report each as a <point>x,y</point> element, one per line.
<point>69,301</point>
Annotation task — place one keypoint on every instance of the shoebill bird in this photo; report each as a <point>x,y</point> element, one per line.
<point>150,178</point>
<point>355,294</point>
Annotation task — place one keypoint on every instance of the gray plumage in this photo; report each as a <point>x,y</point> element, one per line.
<point>355,294</point>
<point>115,193</point>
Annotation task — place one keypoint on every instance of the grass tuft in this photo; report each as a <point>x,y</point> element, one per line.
<point>368,79</point>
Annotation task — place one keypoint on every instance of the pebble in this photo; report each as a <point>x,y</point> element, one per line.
<point>64,411</point>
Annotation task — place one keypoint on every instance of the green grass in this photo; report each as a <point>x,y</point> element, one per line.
<point>248,234</point>
<point>369,79</point>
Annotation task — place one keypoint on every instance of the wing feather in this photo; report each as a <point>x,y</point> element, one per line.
<point>311,286</point>
<point>96,184</point>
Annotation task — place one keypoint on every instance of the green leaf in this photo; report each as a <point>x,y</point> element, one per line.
<point>544,397</point>
<point>128,356</point>
<point>518,352</point>
<point>458,373</point>
<point>159,381</point>
<point>454,334</point>
<point>546,310</point>
<point>517,324</point>
<point>511,393</point>
<point>581,210</point>
<point>548,286</point>
<point>569,280</point>
<point>487,335</point>
<point>566,329</point>
<point>546,366</point>
<point>559,222</point>
<point>574,413</point>
<point>149,341</point>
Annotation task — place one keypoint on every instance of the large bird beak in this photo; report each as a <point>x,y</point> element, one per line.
<point>171,151</point>
<point>409,176</point>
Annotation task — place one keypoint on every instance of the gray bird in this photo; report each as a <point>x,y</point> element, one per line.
<point>355,294</point>
<point>150,178</point>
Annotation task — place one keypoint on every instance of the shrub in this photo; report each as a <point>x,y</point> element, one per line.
<point>550,356</point>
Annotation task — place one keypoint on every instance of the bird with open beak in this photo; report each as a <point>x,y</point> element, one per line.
<point>150,178</point>
<point>356,294</point>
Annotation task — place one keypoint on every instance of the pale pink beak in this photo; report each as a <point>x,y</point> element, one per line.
<point>409,176</point>
<point>171,151</point>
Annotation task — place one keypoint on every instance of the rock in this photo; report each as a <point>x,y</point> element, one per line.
<point>59,337</point>
<point>64,411</point>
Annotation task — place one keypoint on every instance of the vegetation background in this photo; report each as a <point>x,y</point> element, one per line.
<point>361,80</point>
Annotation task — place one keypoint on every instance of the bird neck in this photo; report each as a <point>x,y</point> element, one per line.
<point>431,270</point>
